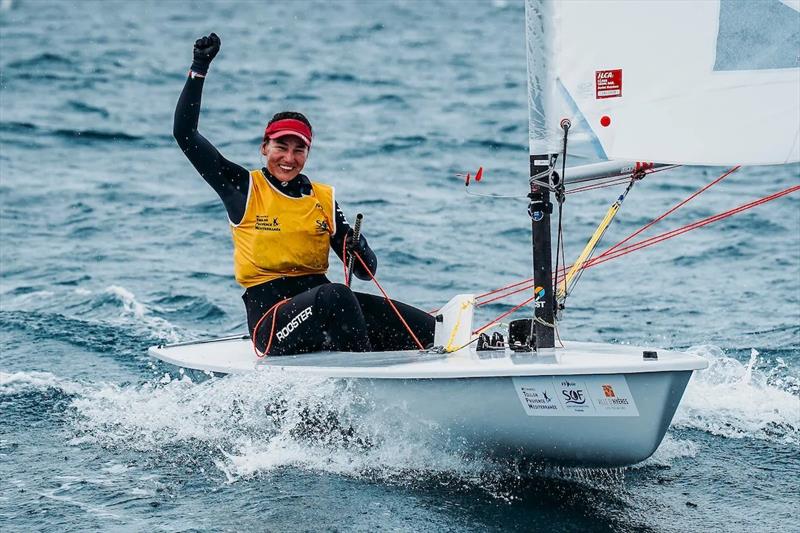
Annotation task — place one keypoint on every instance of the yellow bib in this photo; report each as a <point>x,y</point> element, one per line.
<point>281,235</point>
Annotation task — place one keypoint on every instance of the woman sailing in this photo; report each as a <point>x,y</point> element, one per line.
<point>283,226</point>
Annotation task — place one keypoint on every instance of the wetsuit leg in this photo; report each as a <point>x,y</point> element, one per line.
<point>386,332</point>
<point>327,317</point>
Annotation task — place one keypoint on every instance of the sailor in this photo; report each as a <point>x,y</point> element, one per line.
<point>283,225</point>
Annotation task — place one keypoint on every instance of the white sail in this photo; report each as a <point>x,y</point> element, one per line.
<point>715,82</point>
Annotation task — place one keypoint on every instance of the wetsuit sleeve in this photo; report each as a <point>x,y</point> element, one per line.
<point>337,243</point>
<point>229,180</point>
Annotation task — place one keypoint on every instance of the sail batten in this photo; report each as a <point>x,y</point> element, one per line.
<point>658,81</point>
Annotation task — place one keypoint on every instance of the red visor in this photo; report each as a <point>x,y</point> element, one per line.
<point>288,126</point>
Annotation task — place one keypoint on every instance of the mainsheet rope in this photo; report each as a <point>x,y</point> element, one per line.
<point>274,310</point>
<point>389,300</point>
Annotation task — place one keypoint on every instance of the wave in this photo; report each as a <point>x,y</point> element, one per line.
<point>29,398</point>
<point>405,258</point>
<point>670,449</point>
<point>106,321</point>
<point>95,135</point>
<point>400,144</point>
<point>256,424</point>
<point>359,33</point>
<point>83,107</point>
<point>44,60</point>
<point>88,135</point>
<point>494,144</point>
<point>732,252</point>
<point>384,99</point>
<point>18,127</point>
<point>23,382</point>
<point>189,307</point>
<point>99,337</point>
<point>344,77</point>
<point>759,399</point>
<point>132,308</point>
<point>371,202</point>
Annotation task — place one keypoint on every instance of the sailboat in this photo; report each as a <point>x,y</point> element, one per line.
<point>638,86</point>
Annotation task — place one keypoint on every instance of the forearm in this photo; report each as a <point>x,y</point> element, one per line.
<point>227,179</point>
<point>200,152</point>
<point>187,112</point>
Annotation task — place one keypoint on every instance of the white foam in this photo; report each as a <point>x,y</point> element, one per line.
<point>736,400</point>
<point>18,382</point>
<point>115,469</point>
<point>132,308</point>
<point>257,423</point>
<point>23,300</point>
<point>671,448</point>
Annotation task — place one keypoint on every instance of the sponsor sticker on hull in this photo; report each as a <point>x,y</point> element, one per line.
<point>575,396</point>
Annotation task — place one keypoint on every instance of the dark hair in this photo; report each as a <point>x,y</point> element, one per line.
<point>291,114</point>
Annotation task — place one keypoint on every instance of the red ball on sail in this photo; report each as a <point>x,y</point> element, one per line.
<point>605,121</point>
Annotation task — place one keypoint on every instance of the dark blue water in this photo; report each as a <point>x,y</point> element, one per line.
<point>111,243</point>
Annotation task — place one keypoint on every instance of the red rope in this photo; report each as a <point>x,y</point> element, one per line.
<point>615,251</point>
<point>513,309</point>
<point>272,330</point>
<point>528,283</point>
<point>397,312</point>
<point>688,227</point>
<point>478,297</point>
<point>671,210</point>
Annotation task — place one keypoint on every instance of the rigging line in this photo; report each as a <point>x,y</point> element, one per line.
<point>617,245</point>
<point>497,319</point>
<point>391,304</point>
<point>605,180</point>
<point>559,192</point>
<point>563,288</point>
<point>528,283</point>
<point>464,345</point>
<point>688,227</point>
<point>610,183</point>
<point>671,210</point>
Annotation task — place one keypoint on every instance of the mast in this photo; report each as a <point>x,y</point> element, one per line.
<point>540,208</point>
<point>539,34</point>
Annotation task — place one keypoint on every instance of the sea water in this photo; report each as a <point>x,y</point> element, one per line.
<point>111,243</point>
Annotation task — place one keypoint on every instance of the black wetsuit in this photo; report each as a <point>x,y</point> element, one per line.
<point>320,315</point>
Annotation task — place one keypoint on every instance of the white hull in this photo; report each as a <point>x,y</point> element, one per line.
<point>591,405</point>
